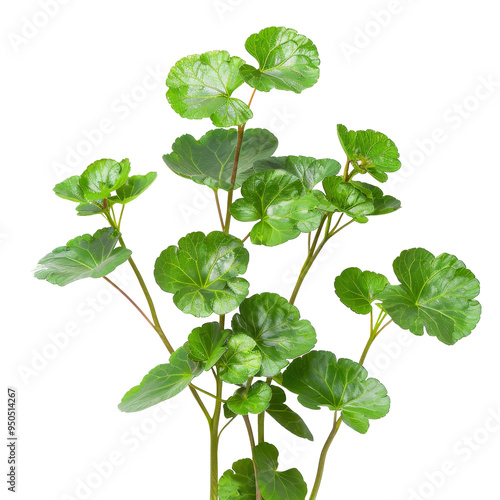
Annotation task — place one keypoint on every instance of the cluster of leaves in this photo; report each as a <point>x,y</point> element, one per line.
<point>268,348</point>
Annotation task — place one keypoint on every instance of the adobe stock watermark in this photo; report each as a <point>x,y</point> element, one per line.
<point>367,32</point>
<point>462,451</point>
<point>224,7</point>
<point>31,26</point>
<point>452,119</point>
<point>121,108</point>
<point>56,342</point>
<point>101,470</point>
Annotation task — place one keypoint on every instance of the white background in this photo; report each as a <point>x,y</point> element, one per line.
<point>420,68</point>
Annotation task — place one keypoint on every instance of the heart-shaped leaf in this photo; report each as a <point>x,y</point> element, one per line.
<point>381,204</point>
<point>238,483</point>
<point>163,382</point>
<point>278,201</point>
<point>357,290</point>
<point>103,177</point>
<point>276,485</point>
<point>209,160</point>
<point>240,361</point>
<point>200,86</point>
<point>207,343</point>
<point>285,416</point>
<point>275,325</point>
<point>252,400</point>
<point>345,198</point>
<point>83,257</point>
<point>320,380</point>
<point>134,187</point>
<point>308,170</point>
<point>287,61</point>
<point>436,293</point>
<point>202,273</point>
<point>370,152</point>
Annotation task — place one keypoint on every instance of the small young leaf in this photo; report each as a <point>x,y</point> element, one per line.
<point>278,199</point>
<point>374,151</point>
<point>347,199</point>
<point>103,177</point>
<point>436,293</point>
<point>238,483</point>
<point>134,187</point>
<point>209,160</point>
<point>285,416</point>
<point>83,257</point>
<point>357,290</point>
<point>276,485</point>
<point>202,273</point>
<point>320,380</point>
<point>287,61</point>
<point>93,208</point>
<point>275,325</point>
<point>163,382</point>
<point>382,204</point>
<point>200,86</point>
<point>254,400</point>
<point>308,170</point>
<point>207,343</point>
<point>240,361</point>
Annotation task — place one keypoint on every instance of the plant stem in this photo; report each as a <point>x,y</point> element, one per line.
<point>214,442</point>
<point>216,193</point>
<point>258,495</point>
<point>199,389</point>
<point>239,142</point>
<point>245,238</point>
<point>322,458</point>
<point>260,426</point>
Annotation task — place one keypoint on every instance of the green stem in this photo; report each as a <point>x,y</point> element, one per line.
<point>239,142</point>
<point>217,202</point>
<point>214,442</point>
<point>322,458</point>
<point>258,495</point>
<point>260,426</point>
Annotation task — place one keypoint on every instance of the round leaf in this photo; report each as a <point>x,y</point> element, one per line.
<point>208,343</point>
<point>103,177</point>
<point>287,61</point>
<point>134,187</point>
<point>254,400</point>
<point>241,360</point>
<point>320,380</point>
<point>239,483</point>
<point>275,325</point>
<point>209,160</point>
<point>202,273</point>
<point>200,86</point>
<point>436,293</point>
<point>83,257</point>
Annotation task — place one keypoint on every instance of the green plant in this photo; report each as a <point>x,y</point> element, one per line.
<point>267,347</point>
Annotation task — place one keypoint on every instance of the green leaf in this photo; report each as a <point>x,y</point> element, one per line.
<point>202,273</point>
<point>163,382</point>
<point>239,483</point>
<point>134,187</point>
<point>83,257</point>
<point>278,199</point>
<point>285,416</point>
<point>308,170</point>
<point>209,160</point>
<point>382,204</point>
<point>320,380</point>
<point>347,199</point>
<point>370,152</point>
<point>276,485</point>
<point>70,189</point>
<point>103,177</point>
<point>240,361</point>
<point>436,293</point>
<point>254,400</point>
<point>357,290</point>
<point>287,61</point>
<point>275,325</point>
<point>200,86</point>
<point>208,343</point>
<point>94,208</point>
